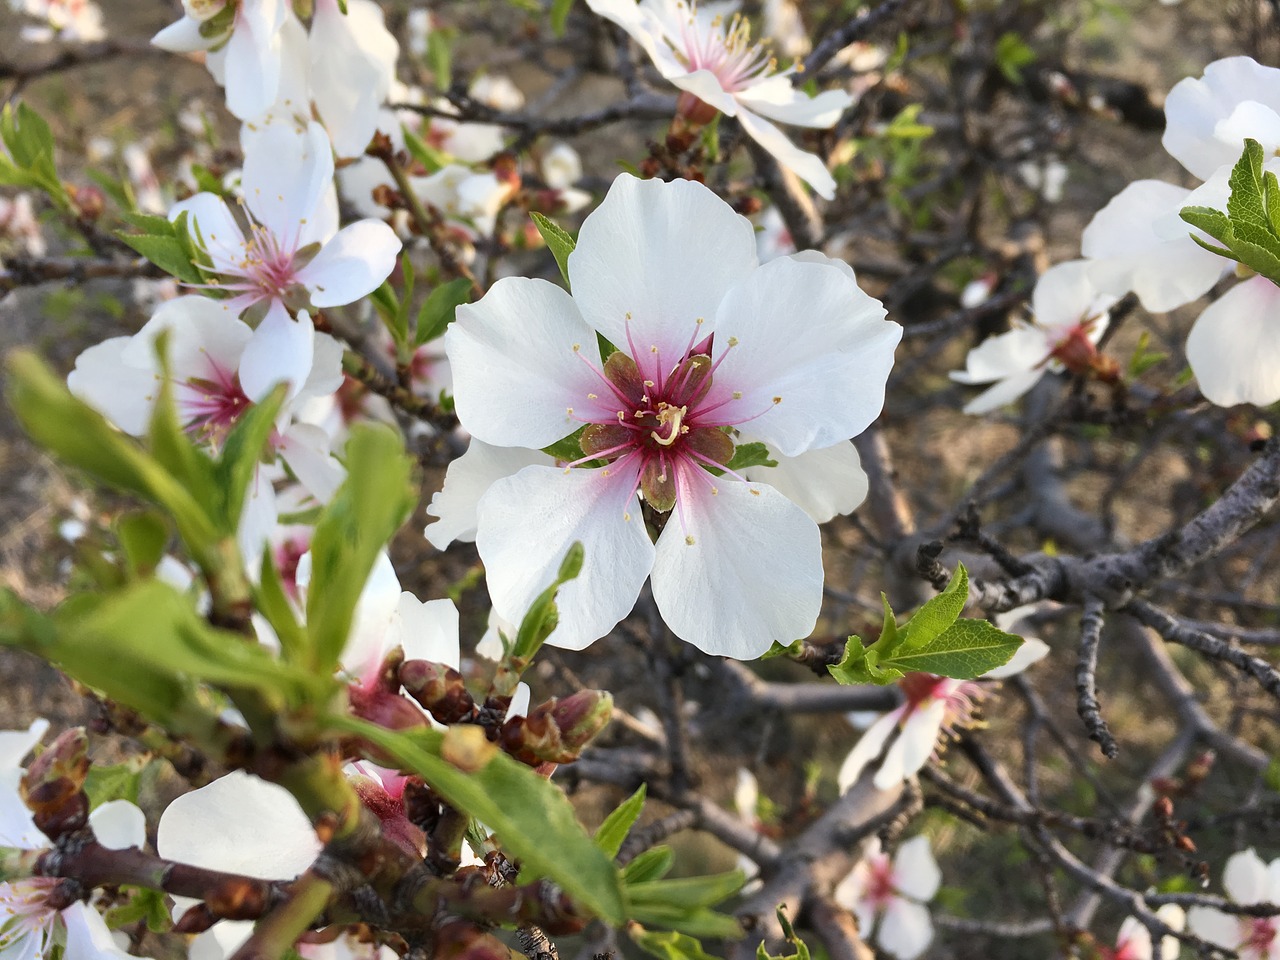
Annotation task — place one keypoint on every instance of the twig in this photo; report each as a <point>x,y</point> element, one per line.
<point>1087,705</point>
<point>853,29</point>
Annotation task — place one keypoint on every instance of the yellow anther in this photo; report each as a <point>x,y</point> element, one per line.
<point>689,541</point>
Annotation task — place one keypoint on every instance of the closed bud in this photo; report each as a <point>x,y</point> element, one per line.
<point>53,786</point>
<point>439,688</point>
<point>558,730</point>
<point>389,710</point>
<point>463,940</point>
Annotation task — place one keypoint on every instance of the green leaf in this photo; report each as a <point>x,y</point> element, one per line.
<point>789,933</point>
<point>778,650</point>
<point>1246,202</point>
<point>543,617</point>
<point>937,614</point>
<point>1011,55</point>
<point>166,253</point>
<point>653,864</point>
<point>242,453</point>
<point>530,816</point>
<point>432,159</point>
<point>1213,222</point>
<point>118,781</point>
<point>966,649</point>
<point>746,455</point>
<point>273,603</point>
<point>143,536</point>
<point>440,57</point>
<point>560,15</point>
<point>558,242</point>
<point>30,162</point>
<point>617,825</point>
<point>687,891</point>
<point>372,503</point>
<point>439,308</point>
<point>668,945</point>
<point>143,904</point>
<point>567,450</point>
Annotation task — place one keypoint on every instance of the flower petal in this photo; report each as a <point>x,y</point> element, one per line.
<point>351,265</point>
<point>216,228</point>
<point>915,872</point>
<point>184,36</point>
<point>807,166</point>
<point>823,483</point>
<point>1245,878</point>
<point>1005,391</point>
<point>88,936</point>
<point>1032,651</point>
<point>16,744</point>
<point>1007,354</point>
<point>806,355</point>
<point>518,381</point>
<point>287,176</point>
<point>121,392</point>
<point>527,523</point>
<point>707,87</point>
<point>1215,926</point>
<point>468,479</point>
<point>1195,106</point>
<point>119,825</point>
<point>778,99</point>
<point>347,99</point>
<point>426,631</point>
<point>281,351</point>
<point>715,584</point>
<point>906,930</point>
<point>914,745</point>
<point>643,254</point>
<point>239,824</point>
<point>1234,347</point>
<point>253,61</point>
<point>867,748</point>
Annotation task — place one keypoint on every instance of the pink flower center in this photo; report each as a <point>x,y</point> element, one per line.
<point>212,405</point>
<point>665,426</point>
<point>722,47</point>
<point>880,888</point>
<point>923,689</point>
<point>25,904</point>
<point>1260,934</point>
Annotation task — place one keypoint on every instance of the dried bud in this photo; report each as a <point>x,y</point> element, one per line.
<point>1185,843</point>
<point>694,112</point>
<point>439,688</point>
<point>238,899</point>
<point>53,786</point>
<point>558,730</point>
<point>1164,808</point>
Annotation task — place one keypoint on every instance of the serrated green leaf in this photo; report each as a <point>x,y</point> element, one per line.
<point>143,904</point>
<point>1213,248</point>
<point>792,649</point>
<point>653,864</point>
<point>746,455</point>
<point>440,307</point>
<point>668,945</point>
<point>558,242</point>
<point>1246,202</point>
<point>936,615</point>
<point>1213,222</point>
<point>617,825</point>
<point>374,500</point>
<point>530,816</point>
<point>117,781</point>
<point>966,649</point>
<point>167,253</point>
<point>699,922</point>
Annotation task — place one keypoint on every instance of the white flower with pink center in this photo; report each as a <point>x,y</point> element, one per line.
<point>933,707</point>
<point>1069,317</point>
<point>1248,880</point>
<point>1134,940</point>
<point>889,896</point>
<point>707,52</point>
<point>708,349</point>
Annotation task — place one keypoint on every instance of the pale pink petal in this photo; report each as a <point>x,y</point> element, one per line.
<point>778,99</point>
<point>518,380</point>
<point>704,85</point>
<point>120,391</point>
<point>906,930</point>
<point>204,336</point>
<point>1196,106</point>
<point>527,523</point>
<point>239,824</point>
<point>305,448</point>
<point>914,744</point>
<point>1005,391</point>
<point>915,872</point>
<point>351,265</point>
<point>824,483</point>
<point>715,582</point>
<point>868,748</point>
<point>88,937</point>
<point>347,99</point>
<point>1017,351</point>
<point>287,175</point>
<point>1245,878</point>
<point>1134,940</point>
<point>468,479</point>
<point>806,356</point>
<point>1215,926</point>
<point>281,351</point>
<point>1031,651</point>
<point>184,36</point>
<point>640,263</point>
<point>1065,294</point>
<point>807,166</point>
<point>119,825</point>
<point>211,222</point>
<point>253,61</point>
<point>426,631</point>
<point>1234,346</point>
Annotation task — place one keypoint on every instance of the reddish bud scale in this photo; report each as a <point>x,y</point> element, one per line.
<point>439,688</point>
<point>53,785</point>
<point>389,710</point>
<point>237,899</point>
<point>557,731</point>
<point>463,940</point>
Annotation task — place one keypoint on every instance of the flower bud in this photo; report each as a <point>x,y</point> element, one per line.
<point>558,730</point>
<point>439,688</point>
<point>463,940</point>
<point>53,786</point>
<point>90,202</point>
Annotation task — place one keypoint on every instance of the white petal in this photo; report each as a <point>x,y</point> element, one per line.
<point>467,480</point>
<point>1065,295</point>
<point>1014,352</point>
<point>121,392</point>
<point>778,99</point>
<point>16,744</point>
<point>286,178</point>
<point>183,37</point>
<point>518,382</point>
<point>368,641</point>
<point>920,735</point>
<point>204,335</point>
<point>239,824</point>
<point>119,825</point>
<point>1215,926</point>
<point>1245,878</point>
<point>17,829</point>
<point>644,28</point>
<point>213,225</point>
<point>88,937</point>
<point>704,85</point>
<point>643,252</point>
<point>351,265</point>
<point>811,357</point>
<point>281,351</point>
<point>519,706</point>
<point>347,99</point>
<point>807,166</point>
<point>252,67</point>
<point>716,583</point>
<point>906,929</point>
<point>823,483</point>
<point>915,872</point>
<point>305,448</point>
<point>1133,942</point>
<point>867,749</point>
<point>527,523</point>
<point>326,370</point>
<point>746,795</point>
<point>1005,391</point>
<point>1195,107</point>
<point>221,940</point>
<point>426,631</point>
<point>1130,241</point>
<point>1234,347</point>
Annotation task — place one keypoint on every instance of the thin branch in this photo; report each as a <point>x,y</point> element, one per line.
<point>1087,705</point>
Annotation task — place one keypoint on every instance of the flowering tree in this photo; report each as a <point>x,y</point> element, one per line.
<point>455,530</point>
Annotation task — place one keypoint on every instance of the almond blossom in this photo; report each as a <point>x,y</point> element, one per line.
<point>889,896</point>
<point>1134,940</point>
<point>708,53</point>
<point>243,37</point>
<point>932,707</point>
<point>710,350</point>
<point>1248,880</point>
<point>1069,316</point>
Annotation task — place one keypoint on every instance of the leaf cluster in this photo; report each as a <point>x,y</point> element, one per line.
<point>1249,231</point>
